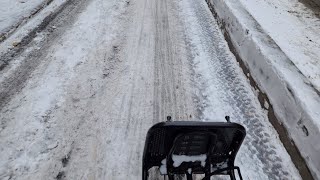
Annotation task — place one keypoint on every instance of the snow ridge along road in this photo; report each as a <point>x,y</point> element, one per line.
<point>294,99</point>
<point>86,92</point>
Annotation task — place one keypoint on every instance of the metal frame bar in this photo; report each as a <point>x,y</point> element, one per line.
<point>231,173</point>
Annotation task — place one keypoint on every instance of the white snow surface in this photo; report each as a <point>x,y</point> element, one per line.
<point>295,28</point>
<point>119,68</point>
<point>14,11</point>
<point>163,167</point>
<point>231,94</point>
<point>295,101</point>
<point>179,159</point>
<point>29,25</point>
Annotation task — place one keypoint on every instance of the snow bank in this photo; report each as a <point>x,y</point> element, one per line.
<point>297,32</point>
<point>295,101</point>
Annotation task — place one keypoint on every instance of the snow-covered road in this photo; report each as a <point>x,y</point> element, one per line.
<point>77,101</point>
<point>13,13</point>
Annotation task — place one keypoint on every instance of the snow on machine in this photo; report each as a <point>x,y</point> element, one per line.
<point>190,147</point>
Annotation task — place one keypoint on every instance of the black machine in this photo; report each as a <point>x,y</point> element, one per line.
<point>190,147</point>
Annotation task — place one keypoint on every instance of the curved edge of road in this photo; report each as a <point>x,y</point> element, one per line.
<point>291,112</point>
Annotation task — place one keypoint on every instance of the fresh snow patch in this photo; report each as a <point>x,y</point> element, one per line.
<point>189,170</point>
<point>163,167</point>
<point>266,104</point>
<point>179,159</point>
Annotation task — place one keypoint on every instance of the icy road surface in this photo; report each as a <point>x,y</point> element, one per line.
<point>13,12</point>
<point>78,101</point>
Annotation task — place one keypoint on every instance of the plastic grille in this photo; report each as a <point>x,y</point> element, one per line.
<point>157,143</point>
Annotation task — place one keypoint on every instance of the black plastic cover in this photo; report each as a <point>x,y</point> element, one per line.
<point>220,141</point>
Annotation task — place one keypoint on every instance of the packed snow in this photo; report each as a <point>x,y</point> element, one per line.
<point>163,167</point>
<point>179,159</point>
<point>29,25</point>
<point>293,96</point>
<point>226,91</point>
<point>295,28</point>
<point>12,12</point>
<point>98,81</point>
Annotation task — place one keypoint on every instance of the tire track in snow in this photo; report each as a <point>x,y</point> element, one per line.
<point>229,92</point>
<point>171,67</point>
<point>101,111</point>
<point>6,32</point>
<point>134,71</point>
<point>31,114</point>
<point>26,58</point>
